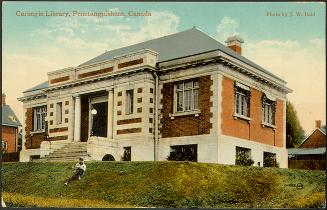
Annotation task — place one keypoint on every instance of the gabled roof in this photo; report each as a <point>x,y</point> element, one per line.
<point>319,129</point>
<point>307,151</point>
<point>38,87</point>
<point>9,118</point>
<point>178,45</point>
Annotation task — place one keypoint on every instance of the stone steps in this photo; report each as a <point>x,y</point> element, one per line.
<point>69,152</point>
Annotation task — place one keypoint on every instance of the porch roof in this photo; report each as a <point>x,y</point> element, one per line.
<point>307,151</point>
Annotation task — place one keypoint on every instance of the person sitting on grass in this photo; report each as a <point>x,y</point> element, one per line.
<point>80,170</point>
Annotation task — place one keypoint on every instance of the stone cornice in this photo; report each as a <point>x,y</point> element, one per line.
<point>236,65</point>
<point>86,81</point>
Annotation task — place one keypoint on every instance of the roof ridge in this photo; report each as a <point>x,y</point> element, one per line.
<point>139,43</point>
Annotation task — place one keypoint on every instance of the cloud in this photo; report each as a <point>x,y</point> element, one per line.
<point>114,32</point>
<point>227,27</point>
<point>73,41</point>
<point>302,65</point>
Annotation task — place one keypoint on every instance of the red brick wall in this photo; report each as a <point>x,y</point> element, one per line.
<point>186,125</point>
<point>243,129</point>
<point>10,135</point>
<point>32,141</point>
<point>316,139</point>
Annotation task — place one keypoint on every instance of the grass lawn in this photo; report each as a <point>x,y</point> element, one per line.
<point>161,184</point>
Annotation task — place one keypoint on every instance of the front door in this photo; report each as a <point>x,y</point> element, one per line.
<point>99,119</point>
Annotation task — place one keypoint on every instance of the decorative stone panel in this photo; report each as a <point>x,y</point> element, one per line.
<point>131,130</point>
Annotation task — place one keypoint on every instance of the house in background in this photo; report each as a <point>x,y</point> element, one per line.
<point>183,96</point>
<point>10,128</point>
<point>311,153</point>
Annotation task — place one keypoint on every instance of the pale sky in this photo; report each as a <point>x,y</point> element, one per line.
<point>290,46</point>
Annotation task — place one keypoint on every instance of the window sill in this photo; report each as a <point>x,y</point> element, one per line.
<point>264,124</point>
<point>36,132</point>
<point>177,114</point>
<point>235,115</point>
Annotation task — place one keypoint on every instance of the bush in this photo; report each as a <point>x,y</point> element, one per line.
<point>243,159</point>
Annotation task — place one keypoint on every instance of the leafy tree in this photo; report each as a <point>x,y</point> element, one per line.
<point>294,131</point>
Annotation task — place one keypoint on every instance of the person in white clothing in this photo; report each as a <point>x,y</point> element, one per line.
<point>80,170</point>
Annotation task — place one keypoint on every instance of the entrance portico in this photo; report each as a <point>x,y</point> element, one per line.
<point>93,115</point>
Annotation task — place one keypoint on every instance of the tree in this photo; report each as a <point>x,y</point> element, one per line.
<point>294,131</point>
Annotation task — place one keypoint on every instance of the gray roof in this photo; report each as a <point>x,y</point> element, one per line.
<point>182,44</point>
<point>178,45</point>
<point>9,117</point>
<point>307,151</point>
<point>38,87</point>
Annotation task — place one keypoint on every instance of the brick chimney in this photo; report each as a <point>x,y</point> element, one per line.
<point>3,99</point>
<point>234,43</point>
<point>318,123</point>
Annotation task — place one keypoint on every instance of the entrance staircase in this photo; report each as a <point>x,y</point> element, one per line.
<point>70,152</point>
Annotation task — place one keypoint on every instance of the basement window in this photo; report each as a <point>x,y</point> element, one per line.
<point>184,153</point>
<point>187,96</point>
<point>127,154</point>
<point>243,156</point>
<point>269,159</point>
<point>129,101</point>
<point>39,114</point>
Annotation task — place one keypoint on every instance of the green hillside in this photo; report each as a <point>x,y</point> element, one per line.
<point>161,184</point>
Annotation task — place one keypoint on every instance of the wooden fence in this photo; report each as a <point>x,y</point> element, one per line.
<point>307,164</point>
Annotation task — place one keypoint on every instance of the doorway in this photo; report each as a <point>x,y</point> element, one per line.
<point>99,119</point>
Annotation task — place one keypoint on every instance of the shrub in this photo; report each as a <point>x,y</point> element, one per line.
<point>244,159</point>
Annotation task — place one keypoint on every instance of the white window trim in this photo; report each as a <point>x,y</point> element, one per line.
<point>127,109</point>
<point>264,124</point>
<point>59,114</point>
<point>35,120</point>
<point>273,115</point>
<point>187,112</point>
<point>196,113</point>
<point>38,131</point>
<point>236,116</point>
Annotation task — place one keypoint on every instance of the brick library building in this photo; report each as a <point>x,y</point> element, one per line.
<point>183,96</point>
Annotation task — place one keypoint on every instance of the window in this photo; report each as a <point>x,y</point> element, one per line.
<point>39,114</point>
<point>127,154</point>
<point>269,160</point>
<point>268,110</point>
<point>59,113</point>
<point>129,101</point>
<point>243,156</point>
<point>184,153</point>
<point>187,96</point>
<point>242,100</point>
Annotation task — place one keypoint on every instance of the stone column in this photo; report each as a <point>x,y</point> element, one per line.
<point>77,121</point>
<point>71,119</point>
<point>110,113</point>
